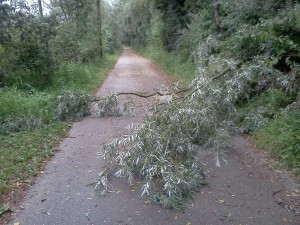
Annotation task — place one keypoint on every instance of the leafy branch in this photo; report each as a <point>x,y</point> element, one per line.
<point>162,151</point>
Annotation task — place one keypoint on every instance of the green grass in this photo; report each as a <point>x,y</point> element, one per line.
<point>14,102</point>
<point>281,137</point>
<point>266,105</point>
<point>22,153</point>
<point>173,64</point>
<point>82,77</point>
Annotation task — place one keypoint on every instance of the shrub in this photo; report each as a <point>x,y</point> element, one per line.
<point>281,138</point>
<point>71,105</point>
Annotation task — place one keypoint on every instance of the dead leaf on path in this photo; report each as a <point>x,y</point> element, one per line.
<point>175,218</point>
<point>17,223</point>
<point>189,223</point>
<point>293,195</point>
<point>286,220</point>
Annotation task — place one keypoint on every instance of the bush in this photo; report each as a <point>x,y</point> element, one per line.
<point>281,137</point>
<point>71,105</point>
<point>260,109</point>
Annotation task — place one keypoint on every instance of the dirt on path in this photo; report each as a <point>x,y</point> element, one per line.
<point>246,191</point>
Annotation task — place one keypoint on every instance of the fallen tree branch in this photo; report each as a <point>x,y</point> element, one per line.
<point>147,95</point>
<point>153,94</point>
<point>177,92</point>
<point>4,209</point>
<point>212,79</point>
<point>225,71</point>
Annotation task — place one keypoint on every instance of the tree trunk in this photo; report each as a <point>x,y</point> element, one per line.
<point>99,27</point>
<point>63,10</point>
<point>217,14</point>
<point>40,8</point>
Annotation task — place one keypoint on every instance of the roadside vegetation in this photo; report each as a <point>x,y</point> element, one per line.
<point>50,64</point>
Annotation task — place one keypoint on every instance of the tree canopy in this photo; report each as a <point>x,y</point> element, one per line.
<point>33,44</point>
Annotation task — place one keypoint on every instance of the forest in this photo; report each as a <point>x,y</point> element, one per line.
<point>239,58</point>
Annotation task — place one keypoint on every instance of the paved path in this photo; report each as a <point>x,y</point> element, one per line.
<point>246,191</point>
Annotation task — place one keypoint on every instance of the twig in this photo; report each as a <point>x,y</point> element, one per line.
<point>225,71</point>
<point>235,206</point>
<point>4,209</point>
<point>274,193</point>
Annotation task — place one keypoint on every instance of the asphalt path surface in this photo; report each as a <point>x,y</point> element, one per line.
<point>246,191</point>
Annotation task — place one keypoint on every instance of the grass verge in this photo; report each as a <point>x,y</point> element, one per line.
<point>281,137</point>
<point>22,154</point>
<point>33,130</point>
<point>172,63</point>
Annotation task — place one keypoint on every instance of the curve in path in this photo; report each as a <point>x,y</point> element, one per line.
<point>241,192</point>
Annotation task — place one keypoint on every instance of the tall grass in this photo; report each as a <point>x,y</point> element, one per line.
<point>177,66</point>
<point>82,77</point>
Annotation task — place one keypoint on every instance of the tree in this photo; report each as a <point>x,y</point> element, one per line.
<point>99,27</point>
<point>40,8</point>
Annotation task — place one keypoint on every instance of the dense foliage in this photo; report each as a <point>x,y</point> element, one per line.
<point>35,45</point>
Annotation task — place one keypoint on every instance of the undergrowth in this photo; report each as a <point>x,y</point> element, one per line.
<point>281,137</point>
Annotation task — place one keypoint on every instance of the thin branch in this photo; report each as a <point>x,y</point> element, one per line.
<point>63,10</point>
<point>153,94</point>
<point>146,95</point>
<point>48,5</point>
<point>177,92</point>
<point>225,71</point>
